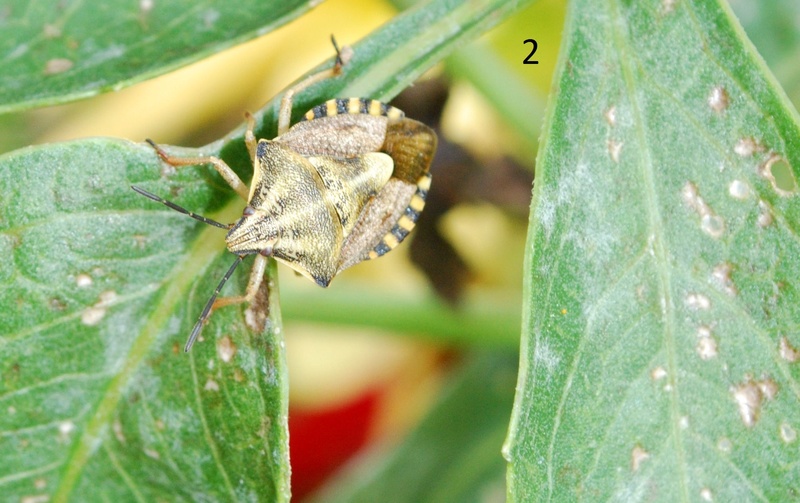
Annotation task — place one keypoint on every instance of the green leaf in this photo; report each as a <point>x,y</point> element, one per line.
<point>662,268</point>
<point>53,52</point>
<point>454,453</point>
<point>101,287</point>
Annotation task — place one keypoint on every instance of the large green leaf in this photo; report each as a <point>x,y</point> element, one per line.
<point>101,287</point>
<point>53,51</point>
<point>658,357</point>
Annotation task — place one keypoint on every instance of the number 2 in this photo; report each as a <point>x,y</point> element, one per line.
<point>527,60</point>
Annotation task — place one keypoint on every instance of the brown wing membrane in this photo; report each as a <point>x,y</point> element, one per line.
<point>388,218</point>
<point>411,145</point>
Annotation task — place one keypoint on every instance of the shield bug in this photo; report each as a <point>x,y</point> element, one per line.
<point>345,184</point>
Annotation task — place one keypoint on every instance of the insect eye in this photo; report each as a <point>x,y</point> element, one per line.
<point>248,210</point>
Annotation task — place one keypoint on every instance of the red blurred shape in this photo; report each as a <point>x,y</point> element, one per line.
<point>320,441</point>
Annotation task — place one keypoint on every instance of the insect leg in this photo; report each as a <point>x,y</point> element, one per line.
<point>223,169</point>
<point>256,277</point>
<point>250,137</point>
<point>285,112</point>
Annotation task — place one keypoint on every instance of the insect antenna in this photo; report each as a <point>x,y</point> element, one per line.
<point>207,310</point>
<point>180,209</point>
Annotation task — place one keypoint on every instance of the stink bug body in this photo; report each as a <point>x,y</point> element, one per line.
<point>345,184</point>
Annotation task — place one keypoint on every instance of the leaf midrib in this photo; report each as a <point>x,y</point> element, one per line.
<point>656,229</point>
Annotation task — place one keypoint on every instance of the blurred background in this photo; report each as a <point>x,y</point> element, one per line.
<point>361,376</point>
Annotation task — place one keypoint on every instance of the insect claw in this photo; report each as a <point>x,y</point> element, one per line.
<point>336,48</point>
<point>163,155</point>
<point>343,55</point>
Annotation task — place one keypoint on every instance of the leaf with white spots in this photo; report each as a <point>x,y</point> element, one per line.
<point>663,268</point>
<point>53,51</point>
<point>100,291</point>
<point>101,287</point>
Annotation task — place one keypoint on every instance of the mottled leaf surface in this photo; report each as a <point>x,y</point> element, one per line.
<point>53,51</point>
<point>99,401</point>
<point>658,358</point>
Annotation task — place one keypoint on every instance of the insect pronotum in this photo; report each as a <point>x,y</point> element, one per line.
<point>345,184</point>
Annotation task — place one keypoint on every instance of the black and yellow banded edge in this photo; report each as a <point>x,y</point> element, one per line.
<point>354,106</point>
<point>407,220</point>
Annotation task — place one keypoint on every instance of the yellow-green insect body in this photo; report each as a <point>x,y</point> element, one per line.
<point>344,185</point>
<point>324,197</point>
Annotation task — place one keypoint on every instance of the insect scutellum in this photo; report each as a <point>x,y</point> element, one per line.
<point>345,184</point>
